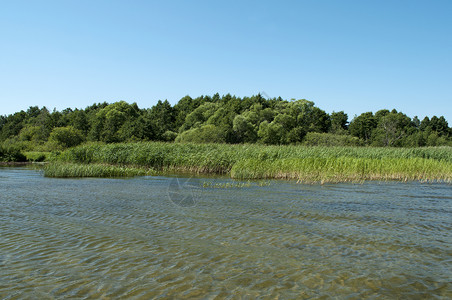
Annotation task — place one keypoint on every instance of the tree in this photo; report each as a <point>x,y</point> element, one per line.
<point>439,125</point>
<point>320,121</point>
<point>12,125</point>
<point>286,121</point>
<point>200,115</point>
<point>271,133</point>
<point>79,120</point>
<point>204,134</point>
<point>296,135</point>
<point>363,125</point>
<point>339,122</point>
<point>34,134</point>
<point>110,119</point>
<point>424,124</point>
<point>416,122</point>
<point>391,128</point>
<point>244,129</point>
<point>182,109</point>
<point>65,137</point>
<point>162,116</point>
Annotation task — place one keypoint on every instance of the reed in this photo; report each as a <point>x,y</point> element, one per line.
<point>225,185</point>
<point>344,169</point>
<point>65,170</point>
<point>244,161</point>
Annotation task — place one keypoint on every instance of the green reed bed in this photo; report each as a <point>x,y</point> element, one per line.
<point>65,170</point>
<point>344,169</point>
<point>311,164</point>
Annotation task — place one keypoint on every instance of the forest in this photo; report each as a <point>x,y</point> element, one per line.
<point>216,119</point>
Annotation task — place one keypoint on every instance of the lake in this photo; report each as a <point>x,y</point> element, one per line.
<point>178,237</point>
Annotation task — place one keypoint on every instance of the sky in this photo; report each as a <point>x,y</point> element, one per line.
<point>353,56</point>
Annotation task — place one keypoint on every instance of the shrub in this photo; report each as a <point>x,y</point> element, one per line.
<point>65,137</point>
<point>203,134</point>
<point>329,139</point>
<point>11,155</point>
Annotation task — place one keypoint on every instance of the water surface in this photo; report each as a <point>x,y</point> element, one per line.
<point>161,237</point>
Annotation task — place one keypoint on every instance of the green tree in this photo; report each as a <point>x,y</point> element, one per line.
<point>199,116</point>
<point>204,134</point>
<point>391,129</point>
<point>65,137</point>
<point>162,116</point>
<point>339,122</point>
<point>110,119</point>
<point>12,125</point>
<point>439,125</point>
<point>244,129</point>
<point>296,135</point>
<point>286,121</point>
<point>182,109</point>
<point>79,120</point>
<point>363,125</point>
<point>271,133</point>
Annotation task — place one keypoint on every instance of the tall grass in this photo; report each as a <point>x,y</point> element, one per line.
<point>64,170</point>
<point>258,161</point>
<point>343,169</point>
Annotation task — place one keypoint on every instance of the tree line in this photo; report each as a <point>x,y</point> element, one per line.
<point>218,119</point>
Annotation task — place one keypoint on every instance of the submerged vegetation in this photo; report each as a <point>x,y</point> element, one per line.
<point>234,184</point>
<point>248,161</point>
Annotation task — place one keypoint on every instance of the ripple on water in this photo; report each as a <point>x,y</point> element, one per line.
<point>113,238</point>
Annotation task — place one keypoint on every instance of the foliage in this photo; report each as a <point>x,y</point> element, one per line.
<point>65,137</point>
<point>329,139</point>
<point>216,118</point>
<point>36,156</point>
<point>204,134</point>
<point>339,122</point>
<point>11,155</point>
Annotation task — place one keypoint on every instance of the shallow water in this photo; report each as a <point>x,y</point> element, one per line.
<point>163,237</point>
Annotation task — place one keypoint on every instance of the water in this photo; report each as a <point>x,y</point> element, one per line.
<point>134,238</point>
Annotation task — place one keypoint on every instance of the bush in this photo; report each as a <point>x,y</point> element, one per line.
<point>11,155</point>
<point>65,137</point>
<point>204,134</point>
<point>36,156</point>
<point>329,139</point>
<point>169,136</point>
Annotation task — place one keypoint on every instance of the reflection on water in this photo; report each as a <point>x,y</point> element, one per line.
<point>113,238</point>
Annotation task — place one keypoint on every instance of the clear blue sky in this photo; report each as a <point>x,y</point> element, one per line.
<point>355,56</point>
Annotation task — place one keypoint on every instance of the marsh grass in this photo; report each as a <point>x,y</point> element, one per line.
<point>234,184</point>
<point>66,170</point>
<point>225,185</point>
<point>306,164</point>
<point>344,169</point>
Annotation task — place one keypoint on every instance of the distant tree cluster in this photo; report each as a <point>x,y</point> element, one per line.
<point>226,119</point>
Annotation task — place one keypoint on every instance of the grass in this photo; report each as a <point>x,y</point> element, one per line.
<point>344,169</point>
<point>306,164</point>
<point>227,185</point>
<point>65,170</point>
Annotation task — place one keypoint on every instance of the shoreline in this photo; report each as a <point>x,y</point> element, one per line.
<point>255,162</point>
<point>14,163</point>
<point>95,170</point>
